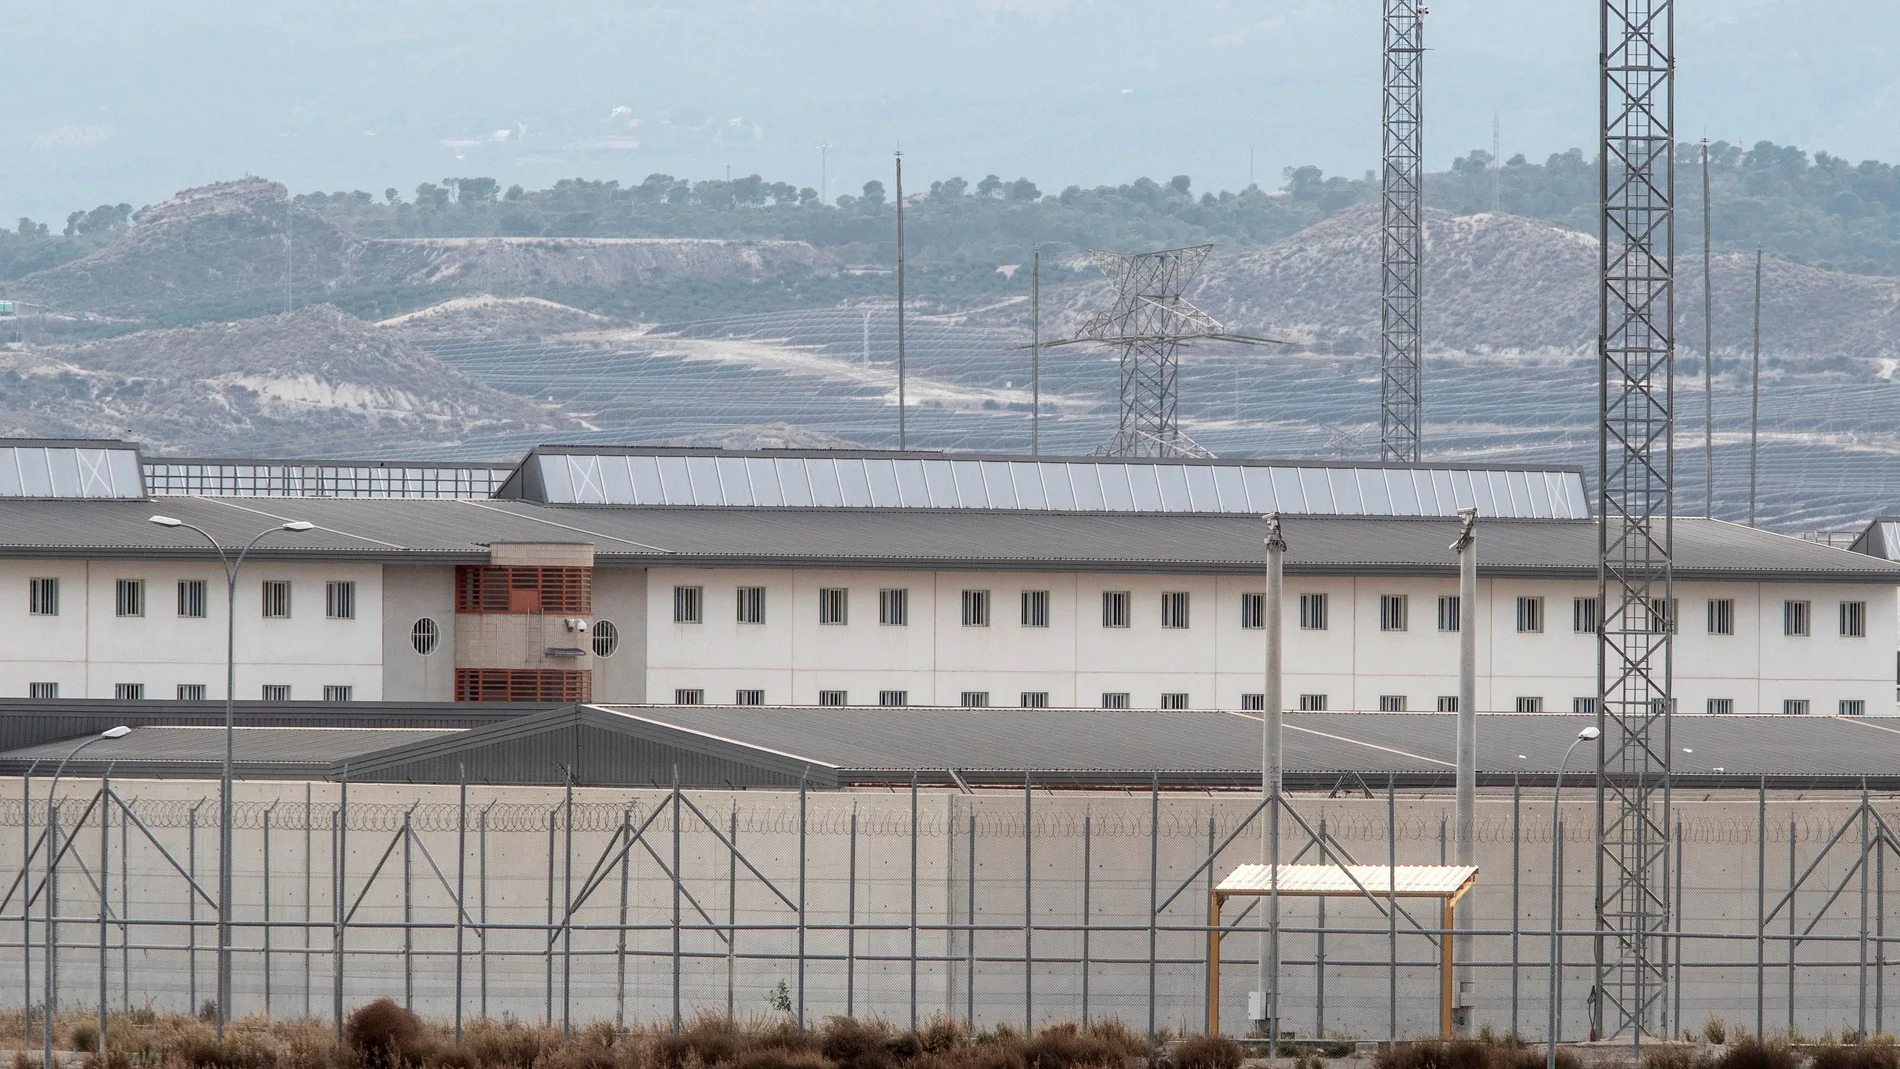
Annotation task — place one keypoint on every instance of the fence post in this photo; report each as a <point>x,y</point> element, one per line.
<point>732,907</point>
<point>1154,891</point>
<point>408,911</point>
<point>851,919</point>
<point>1088,887</point>
<point>26,910</point>
<point>620,943</point>
<point>1517,909</point>
<point>1029,927</point>
<point>1866,805</point>
<point>309,884</point>
<point>340,868</point>
<point>567,904</point>
<point>969,945</point>
<point>676,905</point>
<point>105,894</point>
<point>51,893</point>
<point>461,883</point>
<point>913,894</point>
<point>1391,905</point>
<point>803,818</point>
<point>268,812</point>
<point>1761,909</point>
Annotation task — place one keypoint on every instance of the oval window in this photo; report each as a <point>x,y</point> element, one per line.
<point>606,638</point>
<point>425,636</point>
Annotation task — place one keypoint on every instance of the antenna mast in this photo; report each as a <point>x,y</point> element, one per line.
<point>1636,516</point>
<point>1403,234</point>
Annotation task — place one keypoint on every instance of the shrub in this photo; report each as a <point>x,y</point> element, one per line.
<point>383,1035</point>
<point>941,1033</point>
<point>506,1045</point>
<point>1749,1054</point>
<point>1715,1030</point>
<point>1670,1056</point>
<point>1872,1056</point>
<point>1206,1052</point>
<point>707,1041</point>
<point>1066,1046</point>
<point>85,1037</point>
<point>855,1044</point>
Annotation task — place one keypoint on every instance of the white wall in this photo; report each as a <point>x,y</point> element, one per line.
<point>88,650</point>
<point>1215,661</point>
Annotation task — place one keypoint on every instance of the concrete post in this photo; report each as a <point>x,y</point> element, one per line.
<point>1272,706</point>
<point>1467,549</point>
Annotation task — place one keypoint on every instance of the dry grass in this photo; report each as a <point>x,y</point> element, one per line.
<point>383,1035</point>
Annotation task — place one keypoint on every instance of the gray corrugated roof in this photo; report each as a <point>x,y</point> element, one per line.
<point>29,721</point>
<point>411,530</point>
<point>831,747</point>
<point>179,751</point>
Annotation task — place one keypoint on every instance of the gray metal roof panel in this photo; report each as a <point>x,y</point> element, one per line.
<point>203,747</point>
<point>460,530</point>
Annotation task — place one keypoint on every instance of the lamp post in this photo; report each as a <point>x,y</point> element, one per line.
<point>231,566</point>
<point>49,891</point>
<point>1589,734</point>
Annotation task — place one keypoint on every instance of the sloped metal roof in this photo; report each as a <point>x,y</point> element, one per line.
<point>460,531</point>
<point>194,752</point>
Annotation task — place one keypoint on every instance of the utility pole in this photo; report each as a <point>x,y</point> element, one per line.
<point>1708,351</point>
<point>902,438</point>
<point>1754,417</point>
<point>1035,353</point>
<point>822,176</point>
<point>1271,763</point>
<point>1467,549</point>
<point>1402,234</point>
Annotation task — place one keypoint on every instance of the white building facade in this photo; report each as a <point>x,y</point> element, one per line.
<point>1009,583</point>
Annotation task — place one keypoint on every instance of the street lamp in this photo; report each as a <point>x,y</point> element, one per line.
<point>231,566</point>
<point>1589,734</point>
<point>49,891</point>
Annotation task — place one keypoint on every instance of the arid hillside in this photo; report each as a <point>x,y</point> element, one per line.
<point>312,382</point>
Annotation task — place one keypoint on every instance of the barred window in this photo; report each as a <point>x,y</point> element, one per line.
<point>1583,705</point>
<point>1312,703</point>
<point>1253,611</point>
<point>276,599</point>
<point>1253,703</point>
<point>276,692</point>
<point>1392,612</point>
<point>976,608</point>
<point>893,608</point>
<point>1794,707</point>
<point>191,598</point>
<point>1530,615</point>
<point>1853,619</point>
<point>975,699</point>
<point>1035,608</point>
<point>689,604</point>
<point>338,693</point>
<point>1448,703</point>
<point>689,696</point>
<point>751,604</point>
<point>425,635</point>
<point>1530,705</point>
<point>1391,703</point>
<point>1312,612</point>
<point>1449,612</point>
<point>1721,705</point>
<point>129,597</point>
<point>834,606</point>
<point>1853,707</point>
<point>128,692</point>
<point>748,697</point>
<point>893,698</point>
<point>1035,699</point>
<point>1662,616</point>
<point>1174,700</point>
<point>339,600</point>
<point>1585,619</point>
<point>606,638</point>
<point>1115,699</point>
<point>833,697</point>
<point>1794,618</point>
<point>191,692</point>
<point>1115,608</point>
<point>42,691</point>
<point>1721,616</point>
<point>42,597</point>
<point>1174,609</point>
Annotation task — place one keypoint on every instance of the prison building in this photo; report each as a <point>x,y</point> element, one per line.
<point>801,579</point>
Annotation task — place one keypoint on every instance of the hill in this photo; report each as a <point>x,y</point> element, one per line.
<point>310,382</point>
<point>242,249</point>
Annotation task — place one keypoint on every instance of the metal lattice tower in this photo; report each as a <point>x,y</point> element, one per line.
<point>1148,321</point>
<point>1636,461</point>
<point>1403,233</point>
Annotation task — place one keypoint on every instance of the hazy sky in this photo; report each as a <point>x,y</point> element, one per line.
<point>129,100</point>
